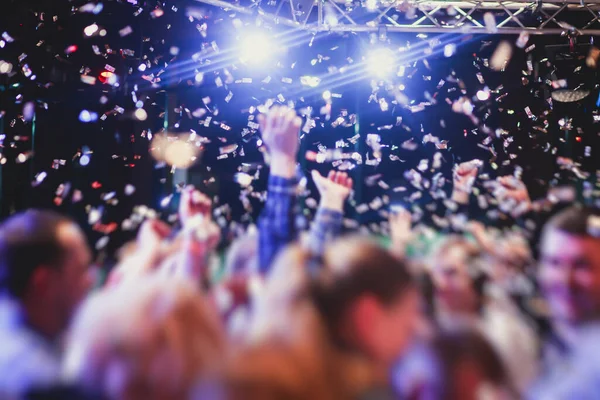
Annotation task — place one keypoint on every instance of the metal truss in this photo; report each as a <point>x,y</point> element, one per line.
<point>536,17</point>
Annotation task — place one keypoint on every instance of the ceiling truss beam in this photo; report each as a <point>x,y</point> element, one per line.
<point>536,17</point>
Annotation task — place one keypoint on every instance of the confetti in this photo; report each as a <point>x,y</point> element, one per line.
<point>126,31</point>
<point>501,56</point>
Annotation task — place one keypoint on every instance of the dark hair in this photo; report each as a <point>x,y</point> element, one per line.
<point>454,348</point>
<point>28,240</point>
<point>575,220</point>
<point>353,268</point>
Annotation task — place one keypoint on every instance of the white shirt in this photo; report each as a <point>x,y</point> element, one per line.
<point>27,359</point>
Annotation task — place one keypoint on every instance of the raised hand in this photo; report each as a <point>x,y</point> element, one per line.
<point>189,253</point>
<point>147,252</point>
<point>512,195</point>
<point>334,189</point>
<point>463,179</point>
<point>513,188</point>
<point>480,233</point>
<point>151,234</point>
<point>280,128</point>
<point>400,230</point>
<point>192,203</point>
<point>400,225</point>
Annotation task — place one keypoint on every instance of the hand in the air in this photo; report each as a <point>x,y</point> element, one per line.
<point>512,195</point>
<point>152,233</point>
<point>192,203</point>
<point>280,128</point>
<point>400,225</point>
<point>188,255</point>
<point>334,189</point>
<point>463,179</point>
<point>400,230</point>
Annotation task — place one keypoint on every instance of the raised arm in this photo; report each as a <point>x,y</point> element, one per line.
<point>334,191</point>
<point>512,196</point>
<point>463,179</point>
<point>276,225</point>
<point>197,240</point>
<point>400,231</point>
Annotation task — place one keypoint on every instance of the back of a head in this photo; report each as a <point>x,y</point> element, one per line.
<point>28,240</point>
<point>360,294</point>
<point>462,355</point>
<point>355,266</point>
<point>151,338</point>
<point>576,220</point>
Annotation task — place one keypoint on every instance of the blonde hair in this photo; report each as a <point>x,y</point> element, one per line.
<point>148,339</point>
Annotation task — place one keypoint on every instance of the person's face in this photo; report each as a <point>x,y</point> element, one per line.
<point>397,324</point>
<point>452,282</point>
<point>570,275</point>
<point>73,279</point>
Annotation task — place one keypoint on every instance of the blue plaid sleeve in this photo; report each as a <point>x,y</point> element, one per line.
<point>326,226</point>
<point>276,225</point>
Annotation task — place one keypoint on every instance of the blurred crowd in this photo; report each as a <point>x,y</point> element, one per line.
<point>473,313</point>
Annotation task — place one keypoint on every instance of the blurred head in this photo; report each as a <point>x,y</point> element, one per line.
<point>569,271</point>
<point>470,367</point>
<point>511,258</point>
<point>456,279</point>
<point>148,339</point>
<point>367,300</point>
<point>44,262</point>
<point>455,365</point>
<point>271,371</point>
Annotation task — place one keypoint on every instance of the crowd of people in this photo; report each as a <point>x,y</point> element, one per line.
<point>475,314</point>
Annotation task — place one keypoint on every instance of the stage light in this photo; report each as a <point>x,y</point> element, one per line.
<point>381,62</point>
<point>256,48</point>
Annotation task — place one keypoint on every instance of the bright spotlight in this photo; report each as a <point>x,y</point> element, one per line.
<point>256,48</point>
<point>381,62</point>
